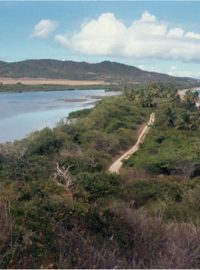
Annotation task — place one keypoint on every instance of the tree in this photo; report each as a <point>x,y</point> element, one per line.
<point>147,101</point>
<point>62,177</point>
<point>185,170</point>
<point>186,122</point>
<point>174,98</point>
<point>191,99</point>
<point>130,95</point>
<point>170,117</point>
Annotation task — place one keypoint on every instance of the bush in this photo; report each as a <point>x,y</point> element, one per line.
<point>142,192</point>
<point>80,113</point>
<point>99,185</point>
<point>45,142</point>
<point>89,161</point>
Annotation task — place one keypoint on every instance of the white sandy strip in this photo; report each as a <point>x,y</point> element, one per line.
<point>116,165</point>
<point>37,81</point>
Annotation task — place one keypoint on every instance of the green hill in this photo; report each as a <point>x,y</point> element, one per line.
<point>107,71</point>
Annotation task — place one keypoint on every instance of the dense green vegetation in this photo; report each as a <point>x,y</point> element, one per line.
<point>170,160</point>
<point>60,208</point>
<point>79,113</point>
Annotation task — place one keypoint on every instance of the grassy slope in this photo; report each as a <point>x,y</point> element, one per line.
<point>133,220</point>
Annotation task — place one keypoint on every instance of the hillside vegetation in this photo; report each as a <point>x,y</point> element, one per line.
<point>106,71</point>
<point>60,208</point>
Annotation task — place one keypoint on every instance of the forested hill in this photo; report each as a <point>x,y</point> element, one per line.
<point>107,71</point>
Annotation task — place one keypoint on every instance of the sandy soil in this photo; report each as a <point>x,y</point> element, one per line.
<point>183,91</point>
<point>37,81</point>
<point>116,165</point>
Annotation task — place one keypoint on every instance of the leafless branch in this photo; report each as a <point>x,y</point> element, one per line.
<point>62,177</point>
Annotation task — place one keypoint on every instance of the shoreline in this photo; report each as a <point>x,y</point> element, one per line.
<point>22,88</point>
<point>87,102</point>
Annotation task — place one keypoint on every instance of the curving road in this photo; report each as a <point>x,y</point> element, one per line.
<point>117,164</point>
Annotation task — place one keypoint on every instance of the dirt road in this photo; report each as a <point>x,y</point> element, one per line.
<point>117,164</point>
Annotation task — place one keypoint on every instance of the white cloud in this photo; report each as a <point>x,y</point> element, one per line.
<point>172,68</point>
<point>143,67</point>
<point>192,35</point>
<point>148,68</point>
<point>44,28</point>
<point>174,71</point>
<point>147,17</point>
<point>62,39</point>
<point>147,37</point>
<point>175,33</point>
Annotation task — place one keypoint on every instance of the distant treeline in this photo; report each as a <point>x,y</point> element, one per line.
<point>19,87</point>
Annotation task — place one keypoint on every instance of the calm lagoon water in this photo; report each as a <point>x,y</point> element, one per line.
<point>22,113</point>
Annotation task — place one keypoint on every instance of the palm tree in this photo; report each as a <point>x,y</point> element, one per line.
<point>191,98</point>
<point>174,98</point>
<point>170,117</point>
<point>185,121</point>
<point>129,94</point>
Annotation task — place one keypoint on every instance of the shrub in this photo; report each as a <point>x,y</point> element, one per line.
<point>45,143</point>
<point>99,185</point>
<point>80,113</point>
<point>144,191</point>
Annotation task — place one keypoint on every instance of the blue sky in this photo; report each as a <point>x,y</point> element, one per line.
<point>159,36</point>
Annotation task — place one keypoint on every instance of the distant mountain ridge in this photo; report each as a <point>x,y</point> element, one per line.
<point>107,71</point>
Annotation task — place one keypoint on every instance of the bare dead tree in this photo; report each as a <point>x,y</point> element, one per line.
<point>184,170</point>
<point>62,177</point>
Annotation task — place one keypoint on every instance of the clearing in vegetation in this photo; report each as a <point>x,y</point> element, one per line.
<point>116,165</point>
